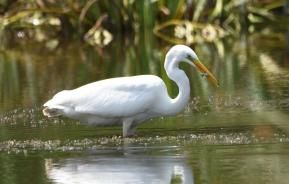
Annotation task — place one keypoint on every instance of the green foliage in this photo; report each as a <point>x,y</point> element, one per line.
<point>77,17</point>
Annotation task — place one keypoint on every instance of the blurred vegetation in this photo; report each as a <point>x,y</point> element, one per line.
<point>98,21</point>
<point>49,45</point>
<point>37,35</point>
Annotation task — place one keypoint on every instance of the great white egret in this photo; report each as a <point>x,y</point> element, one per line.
<point>129,100</point>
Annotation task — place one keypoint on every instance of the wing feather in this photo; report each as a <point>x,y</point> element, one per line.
<point>118,97</point>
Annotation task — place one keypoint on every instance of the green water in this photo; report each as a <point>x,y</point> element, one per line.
<point>237,133</point>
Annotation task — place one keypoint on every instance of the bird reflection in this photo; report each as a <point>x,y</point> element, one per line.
<point>119,168</point>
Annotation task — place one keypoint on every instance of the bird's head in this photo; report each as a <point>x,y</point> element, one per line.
<point>182,53</point>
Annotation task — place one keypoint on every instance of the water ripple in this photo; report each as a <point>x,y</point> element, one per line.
<point>117,142</point>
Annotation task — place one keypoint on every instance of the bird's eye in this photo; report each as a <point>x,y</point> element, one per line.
<point>190,58</point>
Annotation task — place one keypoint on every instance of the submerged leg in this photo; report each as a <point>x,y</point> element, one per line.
<point>128,128</point>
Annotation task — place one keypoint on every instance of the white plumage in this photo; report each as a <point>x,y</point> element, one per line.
<point>128,100</point>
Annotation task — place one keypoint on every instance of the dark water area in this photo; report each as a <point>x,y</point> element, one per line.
<point>237,133</point>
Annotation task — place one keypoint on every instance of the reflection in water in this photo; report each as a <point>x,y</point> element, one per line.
<point>238,164</point>
<point>120,169</point>
<point>214,164</point>
<point>27,79</point>
<point>129,163</point>
<point>237,133</point>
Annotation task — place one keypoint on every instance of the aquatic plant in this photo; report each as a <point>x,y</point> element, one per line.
<point>102,19</point>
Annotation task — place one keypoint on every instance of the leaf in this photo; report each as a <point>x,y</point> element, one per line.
<point>261,11</point>
<point>217,10</point>
<point>199,8</point>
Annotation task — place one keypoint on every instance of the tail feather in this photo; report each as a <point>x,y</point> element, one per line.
<point>51,112</point>
<point>57,105</point>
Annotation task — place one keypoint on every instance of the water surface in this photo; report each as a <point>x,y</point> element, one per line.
<point>237,133</point>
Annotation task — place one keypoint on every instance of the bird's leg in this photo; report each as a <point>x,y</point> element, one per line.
<point>128,128</point>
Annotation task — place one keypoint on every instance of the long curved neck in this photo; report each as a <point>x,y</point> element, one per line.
<point>177,75</point>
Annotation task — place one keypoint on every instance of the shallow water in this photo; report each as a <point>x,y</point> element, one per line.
<point>237,133</point>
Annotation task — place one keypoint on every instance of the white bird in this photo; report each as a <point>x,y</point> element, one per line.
<point>129,100</point>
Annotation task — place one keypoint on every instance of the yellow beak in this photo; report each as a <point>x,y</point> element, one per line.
<point>206,72</point>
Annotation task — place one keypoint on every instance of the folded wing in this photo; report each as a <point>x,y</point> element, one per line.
<point>118,97</point>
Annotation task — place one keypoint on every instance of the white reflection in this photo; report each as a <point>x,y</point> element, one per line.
<point>119,169</point>
<point>269,65</point>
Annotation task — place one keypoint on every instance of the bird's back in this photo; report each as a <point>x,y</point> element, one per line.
<point>113,98</point>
